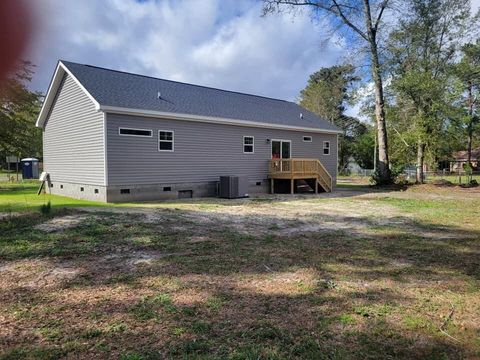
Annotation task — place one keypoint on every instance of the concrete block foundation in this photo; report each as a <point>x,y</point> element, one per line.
<point>128,193</point>
<point>131,193</point>
<point>79,191</point>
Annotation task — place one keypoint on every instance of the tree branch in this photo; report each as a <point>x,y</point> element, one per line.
<point>380,14</point>
<point>334,8</point>
<point>347,22</point>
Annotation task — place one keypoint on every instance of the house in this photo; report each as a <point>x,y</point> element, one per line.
<point>460,159</point>
<point>114,136</point>
<point>352,167</point>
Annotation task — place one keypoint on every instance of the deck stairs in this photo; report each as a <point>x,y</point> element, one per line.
<point>300,168</point>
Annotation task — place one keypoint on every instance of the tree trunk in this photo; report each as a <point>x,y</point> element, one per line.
<point>469,142</point>
<point>383,161</point>
<point>470,124</point>
<point>420,159</point>
<point>383,166</point>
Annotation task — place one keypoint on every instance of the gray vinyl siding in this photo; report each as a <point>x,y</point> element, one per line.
<point>73,146</point>
<point>202,153</point>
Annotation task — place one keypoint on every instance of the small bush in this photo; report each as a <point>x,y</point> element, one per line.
<point>401,179</point>
<point>378,181</point>
<point>471,183</point>
<point>46,209</point>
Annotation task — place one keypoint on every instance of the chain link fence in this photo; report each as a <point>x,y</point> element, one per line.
<point>457,177</point>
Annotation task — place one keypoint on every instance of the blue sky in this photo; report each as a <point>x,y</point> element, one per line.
<point>219,43</point>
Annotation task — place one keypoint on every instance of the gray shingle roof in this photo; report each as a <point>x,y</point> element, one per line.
<point>126,90</point>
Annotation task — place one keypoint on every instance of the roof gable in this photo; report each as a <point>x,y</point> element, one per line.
<point>462,155</point>
<point>60,71</point>
<point>116,91</point>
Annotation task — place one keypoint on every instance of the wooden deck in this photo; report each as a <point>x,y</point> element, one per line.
<point>298,168</point>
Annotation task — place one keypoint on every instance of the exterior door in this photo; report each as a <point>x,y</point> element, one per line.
<point>281,149</point>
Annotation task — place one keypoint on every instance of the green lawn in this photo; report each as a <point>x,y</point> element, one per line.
<point>352,275</point>
<point>365,180</point>
<point>22,197</point>
<point>454,179</point>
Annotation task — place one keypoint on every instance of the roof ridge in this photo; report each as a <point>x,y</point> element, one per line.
<point>177,82</point>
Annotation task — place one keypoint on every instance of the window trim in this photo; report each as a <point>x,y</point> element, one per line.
<point>171,141</point>
<point>307,136</point>
<point>252,144</point>
<point>127,128</point>
<point>326,147</point>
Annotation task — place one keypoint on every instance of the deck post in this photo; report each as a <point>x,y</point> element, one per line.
<point>316,186</point>
<point>272,187</point>
<point>292,185</point>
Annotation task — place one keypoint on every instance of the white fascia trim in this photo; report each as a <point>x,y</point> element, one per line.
<point>209,119</point>
<point>105,159</point>
<point>60,71</point>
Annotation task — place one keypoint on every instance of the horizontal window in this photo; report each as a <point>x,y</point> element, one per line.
<point>165,140</point>
<point>135,132</point>
<point>248,144</point>
<point>307,139</point>
<point>326,148</point>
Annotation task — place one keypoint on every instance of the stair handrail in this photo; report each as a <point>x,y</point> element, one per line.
<point>325,171</point>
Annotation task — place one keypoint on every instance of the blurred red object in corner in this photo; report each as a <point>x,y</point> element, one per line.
<point>15,31</point>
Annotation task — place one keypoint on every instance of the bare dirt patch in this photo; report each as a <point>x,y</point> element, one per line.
<point>129,259</point>
<point>39,273</point>
<point>281,215</point>
<point>62,223</point>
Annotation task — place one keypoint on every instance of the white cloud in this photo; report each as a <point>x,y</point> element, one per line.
<point>475,5</point>
<point>220,43</point>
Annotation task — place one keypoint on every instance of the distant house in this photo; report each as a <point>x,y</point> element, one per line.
<point>460,159</point>
<point>115,136</point>
<point>352,167</point>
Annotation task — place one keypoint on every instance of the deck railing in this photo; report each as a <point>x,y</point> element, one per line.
<point>298,168</point>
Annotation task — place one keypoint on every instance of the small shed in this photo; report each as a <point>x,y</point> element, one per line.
<point>29,168</point>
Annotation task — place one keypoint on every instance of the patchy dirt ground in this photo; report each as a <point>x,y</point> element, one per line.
<point>61,223</point>
<point>287,216</point>
<point>352,274</point>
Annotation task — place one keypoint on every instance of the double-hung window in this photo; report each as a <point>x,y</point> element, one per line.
<point>165,140</point>
<point>326,148</point>
<point>248,144</point>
